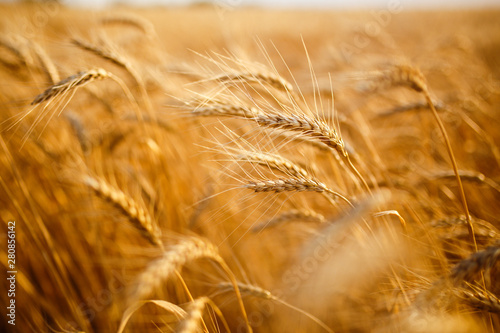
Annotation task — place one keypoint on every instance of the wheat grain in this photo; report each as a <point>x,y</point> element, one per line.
<point>226,110</point>
<point>262,293</point>
<point>107,53</point>
<point>295,185</point>
<point>139,217</point>
<point>403,75</point>
<point>453,226</point>
<point>310,128</point>
<point>465,270</point>
<point>162,269</point>
<point>70,83</point>
<point>287,185</point>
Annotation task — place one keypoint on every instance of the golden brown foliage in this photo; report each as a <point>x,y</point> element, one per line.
<point>160,200</point>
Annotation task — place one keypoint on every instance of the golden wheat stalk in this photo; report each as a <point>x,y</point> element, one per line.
<point>308,127</point>
<point>479,298</point>
<point>413,77</point>
<point>188,250</point>
<point>404,75</point>
<point>225,110</point>
<point>468,175</point>
<point>288,185</point>
<point>71,83</point>
<point>477,262</point>
<point>177,256</point>
<point>453,228</point>
<point>311,128</point>
<point>138,216</point>
<point>107,53</point>
<point>295,185</point>
<point>102,52</point>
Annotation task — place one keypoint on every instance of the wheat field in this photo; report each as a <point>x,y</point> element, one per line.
<point>215,169</point>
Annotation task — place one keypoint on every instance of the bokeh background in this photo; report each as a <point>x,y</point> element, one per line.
<point>334,4</point>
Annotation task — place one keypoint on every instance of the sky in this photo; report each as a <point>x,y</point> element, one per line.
<point>336,4</point>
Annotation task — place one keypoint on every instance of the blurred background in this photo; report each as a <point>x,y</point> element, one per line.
<point>334,4</point>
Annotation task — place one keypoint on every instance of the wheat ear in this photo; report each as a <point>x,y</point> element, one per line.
<point>177,256</point>
<point>475,264</point>
<point>313,129</point>
<point>412,77</point>
<point>293,185</point>
<point>404,75</point>
<point>468,175</point>
<point>300,179</point>
<point>309,129</point>
<point>272,161</point>
<point>70,83</point>
<point>480,299</point>
<point>108,54</point>
<point>102,52</point>
<point>226,110</point>
<point>481,227</point>
<point>138,216</point>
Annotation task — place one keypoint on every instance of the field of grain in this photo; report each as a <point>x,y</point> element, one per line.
<point>217,169</point>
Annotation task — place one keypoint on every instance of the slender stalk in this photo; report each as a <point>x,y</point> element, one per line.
<point>461,191</point>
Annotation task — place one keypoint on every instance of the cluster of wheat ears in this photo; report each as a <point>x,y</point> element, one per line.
<point>217,193</point>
